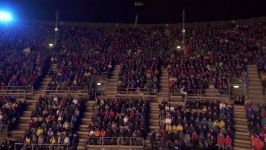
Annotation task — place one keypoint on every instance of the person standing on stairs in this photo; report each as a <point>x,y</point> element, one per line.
<point>153,139</point>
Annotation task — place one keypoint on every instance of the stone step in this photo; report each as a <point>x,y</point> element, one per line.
<point>154,122</point>
<point>256,92</point>
<point>31,107</point>
<point>165,84</point>
<point>27,112</point>
<point>252,68</point>
<point>244,134</point>
<point>17,132</point>
<point>241,130</point>
<point>81,147</point>
<point>240,148</point>
<point>240,120</point>
<point>87,114</point>
<point>240,113</point>
<point>254,84</point>
<point>23,125</point>
<point>25,117</point>
<point>252,73</point>
<point>84,126</point>
<point>85,120</point>
<point>83,134</point>
<point>239,126</point>
<point>256,97</point>
<point>242,143</point>
<point>239,110</point>
<point>155,127</point>
<point>254,79</point>
<point>257,88</point>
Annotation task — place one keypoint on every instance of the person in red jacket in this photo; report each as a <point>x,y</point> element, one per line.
<point>253,139</point>
<point>220,141</point>
<point>228,142</point>
<point>259,144</point>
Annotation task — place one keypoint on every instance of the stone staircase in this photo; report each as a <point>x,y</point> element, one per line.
<point>46,80</point>
<point>154,123</point>
<point>255,90</point>
<point>84,124</point>
<point>26,116</point>
<point>164,88</point>
<point>241,139</point>
<point>111,88</point>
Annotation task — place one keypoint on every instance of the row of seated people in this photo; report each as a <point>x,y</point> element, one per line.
<point>21,69</point>
<point>197,125</point>
<point>119,118</point>
<point>10,110</point>
<point>139,71</point>
<point>256,116</point>
<point>76,69</point>
<point>54,121</point>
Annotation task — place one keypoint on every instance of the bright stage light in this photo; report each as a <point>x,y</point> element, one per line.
<point>5,16</point>
<point>236,86</point>
<point>51,45</point>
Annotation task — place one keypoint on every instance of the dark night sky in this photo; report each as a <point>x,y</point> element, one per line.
<point>153,11</point>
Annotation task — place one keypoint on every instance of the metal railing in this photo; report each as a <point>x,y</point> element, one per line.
<point>202,94</point>
<point>19,146</point>
<point>137,91</point>
<point>115,141</point>
<point>6,90</point>
<point>68,89</point>
<point>215,92</point>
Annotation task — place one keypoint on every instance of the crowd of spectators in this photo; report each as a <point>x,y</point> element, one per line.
<point>256,116</point>
<point>198,72</point>
<point>141,72</point>
<point>82,52</point>
<point>26,35</point>
<point>10,110</point>
<point>76,69</point>
<point>21,69</point>
<point>213,55</point>
<point>54,121</point>
<point>197,125</point>
<point>21,60</point>
<point>222,53</point>
<point>217,54</point>
<point>117,117</point>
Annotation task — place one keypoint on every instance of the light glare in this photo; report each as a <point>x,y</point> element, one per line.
<point>5,16</point>
<point>51,44</point>
<point>236,86</point>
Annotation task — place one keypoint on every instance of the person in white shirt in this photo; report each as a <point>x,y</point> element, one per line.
<point>67,140</point>
<point>125,119</point>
